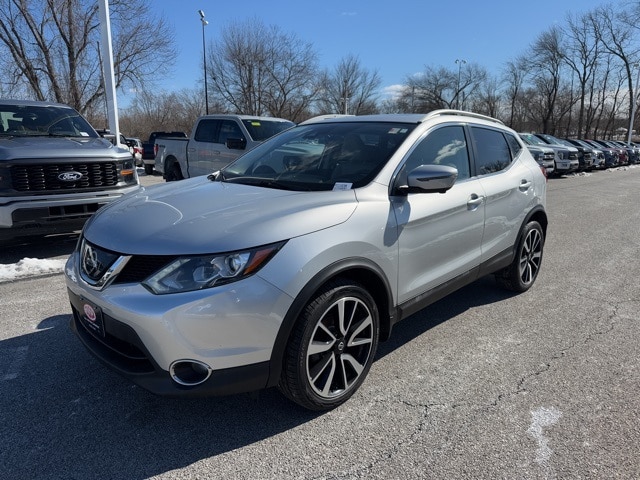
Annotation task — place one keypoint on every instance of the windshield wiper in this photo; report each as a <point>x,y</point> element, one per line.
<point>267,182</point>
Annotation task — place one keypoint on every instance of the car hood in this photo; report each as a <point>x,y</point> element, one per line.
<point>198,216</point>
<point>17,147</point>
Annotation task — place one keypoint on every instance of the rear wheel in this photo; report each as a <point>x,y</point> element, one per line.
<point>148,169</point>
<point>174,173</point>
<point>523,271</point>
<point>332,347</point>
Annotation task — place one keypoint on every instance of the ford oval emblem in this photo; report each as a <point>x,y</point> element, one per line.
<point>69,176</point>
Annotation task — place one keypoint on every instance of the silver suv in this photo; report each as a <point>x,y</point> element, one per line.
<point>288,266</point>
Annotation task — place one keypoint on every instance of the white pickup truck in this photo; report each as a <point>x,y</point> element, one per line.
<point>215,141</point>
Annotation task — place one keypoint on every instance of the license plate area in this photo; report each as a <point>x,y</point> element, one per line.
<point>92,318</point>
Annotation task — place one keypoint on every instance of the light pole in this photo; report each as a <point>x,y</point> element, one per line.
<point>459,62</point>
<point>345,98</point>
<point>633,104</point>
<point>204,62</point>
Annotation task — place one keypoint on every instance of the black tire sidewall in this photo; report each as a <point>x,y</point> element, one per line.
<point>532,225</point>
<point>307,323</point>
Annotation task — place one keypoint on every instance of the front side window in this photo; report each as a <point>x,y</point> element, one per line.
<point>229,129</point>
<point>444,146</point>
<point>492,150</point>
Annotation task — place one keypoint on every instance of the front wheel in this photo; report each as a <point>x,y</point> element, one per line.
<point>523,271</point>
<point>332,347</point>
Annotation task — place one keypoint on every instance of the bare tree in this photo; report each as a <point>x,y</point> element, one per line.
<point>53,47</point>
<point>433,89</point>
<point>260,70</point>
<point>349,88</point>
<point>169,111</point>
<point>546,63</point>
<point>616,33</point>
<point>514,76</point>
<point>488,99</point>
<point>582,56</point>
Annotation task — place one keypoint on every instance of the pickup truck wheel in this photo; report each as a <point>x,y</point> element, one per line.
<point>332,347</point>
<point>148,169</point>
<point>174,173</point>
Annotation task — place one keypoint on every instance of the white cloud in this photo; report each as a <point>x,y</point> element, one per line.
<point>393,91</point>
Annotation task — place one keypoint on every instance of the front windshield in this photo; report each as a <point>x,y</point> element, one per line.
<point>43,120</point>
<point>532,139</point>
<point>322,156</point>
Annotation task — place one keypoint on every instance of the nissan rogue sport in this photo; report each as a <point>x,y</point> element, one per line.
<point>288,266</point>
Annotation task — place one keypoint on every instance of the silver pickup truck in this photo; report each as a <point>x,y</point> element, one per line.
<point>55,169</point>
<point>215,141</point>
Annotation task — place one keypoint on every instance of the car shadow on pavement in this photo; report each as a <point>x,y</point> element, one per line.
<point>67,416</point>
<point>483,291</point>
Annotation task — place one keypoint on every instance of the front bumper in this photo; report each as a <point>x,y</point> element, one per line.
<point>142,335</point>
<point>122,350</point>
<point>54,212</point>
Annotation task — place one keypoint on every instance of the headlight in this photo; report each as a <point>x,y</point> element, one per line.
<point>189,273</point>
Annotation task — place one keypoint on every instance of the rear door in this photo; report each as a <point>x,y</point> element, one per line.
<point>508,186</point>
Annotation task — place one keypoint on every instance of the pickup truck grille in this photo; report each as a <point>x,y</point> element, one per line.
<point>47,178</point>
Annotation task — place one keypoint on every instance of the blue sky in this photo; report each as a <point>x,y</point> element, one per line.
<point>396,38</point>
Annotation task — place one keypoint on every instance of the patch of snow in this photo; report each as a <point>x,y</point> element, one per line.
<point>30,267</point>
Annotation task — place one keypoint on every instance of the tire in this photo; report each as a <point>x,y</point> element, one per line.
<point>148,169</point>
<point>332,347</point>
<point>523,271</point>
<point>174,173</point>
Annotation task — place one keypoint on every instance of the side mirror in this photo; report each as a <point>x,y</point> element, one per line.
<point>430,179</point>
<point>236,143</point>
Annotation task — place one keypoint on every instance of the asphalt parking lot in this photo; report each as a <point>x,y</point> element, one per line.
<point>483,384</point>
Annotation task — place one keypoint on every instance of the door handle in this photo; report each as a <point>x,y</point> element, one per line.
<point>474,201</point>
<point>525,185</point>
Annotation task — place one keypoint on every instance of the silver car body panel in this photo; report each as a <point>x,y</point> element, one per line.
<point>198,216</point>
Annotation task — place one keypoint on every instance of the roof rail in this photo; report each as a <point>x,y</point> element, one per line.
<point>436,113</point>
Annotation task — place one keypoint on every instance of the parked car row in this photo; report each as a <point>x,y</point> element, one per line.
<point>559,156</point>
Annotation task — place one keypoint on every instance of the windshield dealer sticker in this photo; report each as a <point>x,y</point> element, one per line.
<point>342,186</point>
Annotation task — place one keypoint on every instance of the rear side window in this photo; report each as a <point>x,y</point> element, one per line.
<point>514,145</point>
<point>492,150</point>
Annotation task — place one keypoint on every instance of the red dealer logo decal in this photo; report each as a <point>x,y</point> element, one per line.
<point>89,313</point>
